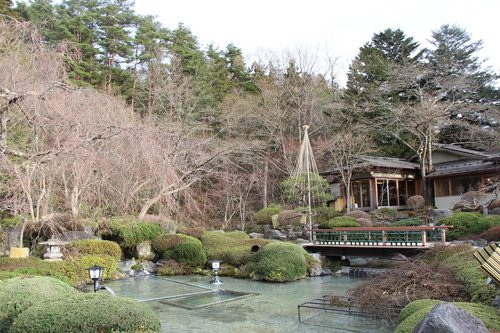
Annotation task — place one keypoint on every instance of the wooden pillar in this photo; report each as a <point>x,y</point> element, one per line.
<point>424,237</point>
<point>443,235</point>
<point>384,237</point>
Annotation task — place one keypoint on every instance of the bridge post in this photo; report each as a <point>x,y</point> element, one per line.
<point>424,237</point>
<point>384,237</point>
<point>443,235</point>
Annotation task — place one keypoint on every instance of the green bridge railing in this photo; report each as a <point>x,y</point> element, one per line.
<point>383,236</point>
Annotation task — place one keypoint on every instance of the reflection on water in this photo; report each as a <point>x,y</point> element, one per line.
<point>274,310</point>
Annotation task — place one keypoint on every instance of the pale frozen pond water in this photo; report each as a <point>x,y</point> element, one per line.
<point>274,310</point>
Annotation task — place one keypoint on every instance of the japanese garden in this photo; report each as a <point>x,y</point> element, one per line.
<point>178,172</point>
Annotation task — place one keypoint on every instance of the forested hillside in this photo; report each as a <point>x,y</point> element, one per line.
<point>105,112</point>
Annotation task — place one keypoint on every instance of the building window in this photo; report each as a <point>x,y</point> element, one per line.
<point>394,192</point>
<point>456,186</point>
<point>360,193</point>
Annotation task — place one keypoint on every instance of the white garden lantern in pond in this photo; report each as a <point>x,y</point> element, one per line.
<point>95,273</point>
<point>216,267</point>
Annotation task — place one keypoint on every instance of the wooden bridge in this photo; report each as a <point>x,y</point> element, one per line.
<point>375,241</point>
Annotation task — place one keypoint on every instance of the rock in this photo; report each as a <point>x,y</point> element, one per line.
<point>480,242</point>
<point>440,214</point>
<point>496,302</point>
<point>254,235</point>
<point>319,268</point>
<point>448,318</point>
<point>143,251</point>
<point>126,267</point>
<point>276,234</point>
<point>149,266</point>
<point>495,211</point>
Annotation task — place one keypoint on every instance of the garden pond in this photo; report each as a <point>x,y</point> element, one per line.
<point>190,303</point>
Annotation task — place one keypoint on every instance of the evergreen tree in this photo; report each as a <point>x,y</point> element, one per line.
<point>6,8</point>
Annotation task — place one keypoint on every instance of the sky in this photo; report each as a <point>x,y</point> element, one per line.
<point>324,30</point>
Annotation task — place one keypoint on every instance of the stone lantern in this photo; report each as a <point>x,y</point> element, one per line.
<point>54,249</point>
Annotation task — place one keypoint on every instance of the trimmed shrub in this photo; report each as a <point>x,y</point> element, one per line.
<point>94,247</point>
<point>67,272</point>
<point>167,242</point>
<point>264,216</point>
<point>466,271</point>
<point>415,306</point>
<point>469,224</point>
<point>232,248</point>
<point>109,262</point>
<point>130,232</point>
<point>358,214</point>
<point>411,222</point>
<point>339,222</point>
<point>416,202</point>
<point>20,293</point>
<point>189,252</point>
<point>279,262</point>
<point>88,312</point>
<point>415,314</point>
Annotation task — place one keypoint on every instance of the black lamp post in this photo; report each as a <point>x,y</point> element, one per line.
<point>95,273</point>
<point>216,267</point>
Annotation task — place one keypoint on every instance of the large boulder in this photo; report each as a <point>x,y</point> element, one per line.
<point>440,214</point>
<point>448,318</point>
<point>319,268</point>
<point>144,251</point>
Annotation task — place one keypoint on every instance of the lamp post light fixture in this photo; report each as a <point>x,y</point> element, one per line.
<point>95,273</point>
<point>216,267</point>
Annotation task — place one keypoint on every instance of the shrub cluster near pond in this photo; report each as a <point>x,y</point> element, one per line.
<point>232,248</point>
<point>279,262</point>
<point>43,304</point>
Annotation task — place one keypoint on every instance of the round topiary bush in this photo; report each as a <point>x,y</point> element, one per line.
<point>93,247</point>
<point>339,222</point>
<point>88,312</point>
<point>128,233</point>
<point>264,216</point>
<point>167,242</point>
<point>20,293</point>
<point>189,252</point>
<point>411,222</point>
<point>469,224</point>
<point>415,306</point>
<point>279,262</point>
<point>232,248</point>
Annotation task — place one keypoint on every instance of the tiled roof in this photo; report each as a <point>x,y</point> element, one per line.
<point>465,167</point>
<point>365,162</point>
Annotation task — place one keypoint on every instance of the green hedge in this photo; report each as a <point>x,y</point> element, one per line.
<point>232,248</point>
<point>467,272</point>
<point>88,312</point>
<point>66,271</point>
<point>20,293</point>
<point>411,222</point>
<point>167,242</point>
<point>469,224</point>
<point>94,247</point>
<point>339,222</point>
<point>279,262</point>
<point>264,216</point>
<point>414,313</point>
<point>189,252</point>
<point>130,232</point>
